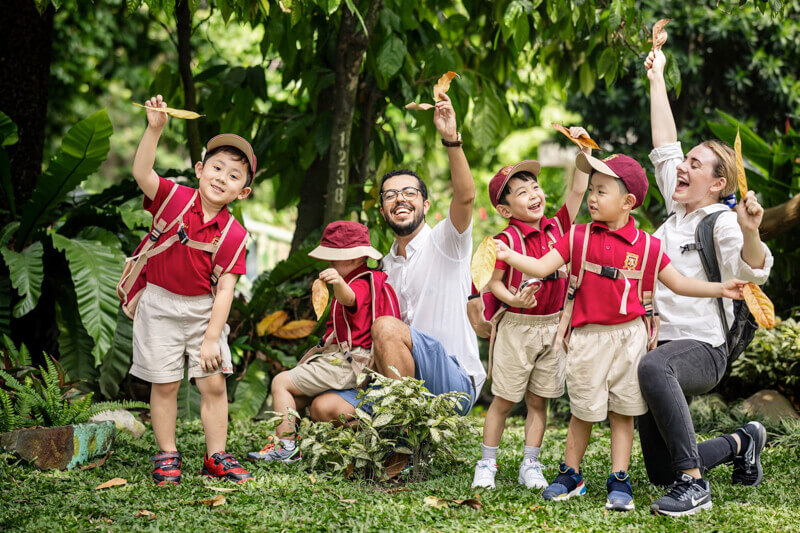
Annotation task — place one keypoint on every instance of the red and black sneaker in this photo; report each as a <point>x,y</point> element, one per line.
<point>167,468</point>
<point>224,466</point>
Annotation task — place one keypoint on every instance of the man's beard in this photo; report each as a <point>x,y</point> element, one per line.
<point>406,228</point>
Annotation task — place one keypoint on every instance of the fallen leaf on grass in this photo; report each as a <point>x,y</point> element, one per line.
<point>216,501</point>
<point>659,35</point>
<point>144,513</point>
<point>471,502</point>
<point>419,107</point>
<point>296,329</point>
<point>177,113</point>
<point>271,323</point>
<point>482,266</point>
<point>221,489</point>
<point>319,297</point>
<point>395,464</point>
<point>440,503</point>
<point>443,85</point>
<point>346,501</point>
<point>433,501</point>
<point>311,478</point>
<point>116,482</point>
<point>741,178</point>
<point>760,305</point>
<point>582,141</point>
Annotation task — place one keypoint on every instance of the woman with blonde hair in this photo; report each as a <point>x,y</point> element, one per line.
<point>692,355</point>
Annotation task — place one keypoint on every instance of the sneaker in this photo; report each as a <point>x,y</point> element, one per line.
<point>567,484</point>
<point>686,496</point>
<point>276,451</point>
<point>167,468</point>
<point>224,466</point>
<point>620,492</point>
<point>530,474</point>
<point>747,466</point>
<point>485,471</point>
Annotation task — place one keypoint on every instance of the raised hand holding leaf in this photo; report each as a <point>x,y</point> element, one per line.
<point>177,113</point>
<point>582,141</point>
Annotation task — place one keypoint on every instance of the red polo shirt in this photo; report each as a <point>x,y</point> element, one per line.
<point>550,297</point>
<point>598,299</point>
<point>180,269</point>
<point>359,315</point>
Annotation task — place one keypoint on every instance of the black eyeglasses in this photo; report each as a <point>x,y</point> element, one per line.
<point>409,193</point>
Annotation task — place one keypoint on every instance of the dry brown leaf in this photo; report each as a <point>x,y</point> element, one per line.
<point>395,464</point>
<point>347,501</point>
<point>483,262</point>
<point>471,502</point>
<point>582,141</point>
<point>177,113</point>
<point>319,297</point>
<point>740,175</point>
<point>216,501</point>
<point>311,478</point>
<point>116,482</point>
<point>221,489</point>
<point>443,85</point>
<point>440,503</point>
<point>419,107</point>
<point>760,305</point>
<point>296,329</point>
<point>659,35</point>
<point>144,513</point>
<point>271,323</point>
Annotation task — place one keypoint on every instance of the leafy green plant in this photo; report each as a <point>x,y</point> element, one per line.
<point>405,419</point>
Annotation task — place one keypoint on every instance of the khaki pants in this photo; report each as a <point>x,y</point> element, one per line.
<point>326,370</point>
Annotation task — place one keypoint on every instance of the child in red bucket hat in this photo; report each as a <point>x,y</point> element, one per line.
<point>360,295</point>
<point>522,363</point>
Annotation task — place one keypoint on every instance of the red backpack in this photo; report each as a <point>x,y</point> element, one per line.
<point>224,250</point>
<point>646,287</point>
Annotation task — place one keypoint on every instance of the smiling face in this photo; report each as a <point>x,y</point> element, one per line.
<point>524,201</point>
<point>697,184</point>
<point>401,214</point>
<point>608,199</point>
<point>222,179</point>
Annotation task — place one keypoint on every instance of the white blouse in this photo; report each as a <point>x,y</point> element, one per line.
<point>684,317</point>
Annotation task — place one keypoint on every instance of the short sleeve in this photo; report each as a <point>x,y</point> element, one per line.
<point>361,288</point>
<point>502,265</point>
<point>666,159</point>
<point>164,186</point>
<point>240,267</point>
<point>665,260</point>
<point>450,243</point>
<point>562,216</point>
<point>562,247</point>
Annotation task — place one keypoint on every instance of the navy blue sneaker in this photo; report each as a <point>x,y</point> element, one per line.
<point>620,492</point>
<point>567,484</point>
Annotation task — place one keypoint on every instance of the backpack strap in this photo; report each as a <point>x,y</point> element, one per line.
<point>704,243</point>
<point>561,272</point>
<point>575,279</point>
<point>228,249</point>
<point>518,245</point>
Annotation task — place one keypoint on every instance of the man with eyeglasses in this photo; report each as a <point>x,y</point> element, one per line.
<point>429,270</point>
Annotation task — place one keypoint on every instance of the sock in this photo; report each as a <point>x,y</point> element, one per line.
<point>531,452</point>
<point>716,451</point>
<point>288,444</point>
<point>744,438</point>
<point>489,452</point>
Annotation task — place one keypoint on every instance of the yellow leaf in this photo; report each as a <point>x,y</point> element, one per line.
<point>144,513</point>
<point>443,85</point>
<point>296,329</point>
<point>740,175</point>
<point>419,107</point>
<point>216,501</point>
<point>760,305</point>
<point>483,263</point>
<point>433,501</point>
<point>319,297</point>
<point>177,113</point>
<point>271,323</point>
<point>221,489</point>
<point>581,141</point>
<point>116,482</point>
<point>659,35</point>
<point>311,478</point>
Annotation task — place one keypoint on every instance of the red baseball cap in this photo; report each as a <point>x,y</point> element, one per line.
<point>344,240</point>
<point>618,166</point>
<point>231,139</point>
<point>500,179</point>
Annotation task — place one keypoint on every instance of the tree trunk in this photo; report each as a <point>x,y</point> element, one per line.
<point>780,219</point>
<point>184,22</point>
<point>25,51</point>
<point>350,50</point>
<point>311,208</point>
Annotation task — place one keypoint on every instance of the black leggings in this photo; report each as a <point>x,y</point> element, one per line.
<point>668,375</point>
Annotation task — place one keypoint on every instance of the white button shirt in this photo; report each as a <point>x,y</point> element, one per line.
<point>432,284</point>
<point>684,317</point>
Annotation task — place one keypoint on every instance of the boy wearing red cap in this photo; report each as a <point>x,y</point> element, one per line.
<point>177,315</point>
<point>522,361</point>
<point>360,295</point>
<point>610,259</point>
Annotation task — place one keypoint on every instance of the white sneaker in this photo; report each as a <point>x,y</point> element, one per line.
<point>485,471</point>
<point>530,474</point>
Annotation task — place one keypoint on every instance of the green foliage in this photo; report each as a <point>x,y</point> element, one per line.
<point>27,273</point>
<point>406,419</point>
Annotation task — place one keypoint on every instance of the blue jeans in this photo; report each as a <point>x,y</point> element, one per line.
<point>440,371</point>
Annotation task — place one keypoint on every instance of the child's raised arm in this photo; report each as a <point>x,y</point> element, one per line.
<point>680,284</point>
<point>580,180</point>
<point>538,268</point>
<point>143,171</point>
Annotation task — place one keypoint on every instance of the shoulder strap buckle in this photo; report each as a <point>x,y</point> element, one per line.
<point>609,272</point>
<point>183,236</point>
<point>691,246</point>
<point>155,233</point>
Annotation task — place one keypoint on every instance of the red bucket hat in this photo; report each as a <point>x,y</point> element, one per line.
<point>500,179</point>
<point>618,166</point>
<point>343,240</point>
<point>231,139</point>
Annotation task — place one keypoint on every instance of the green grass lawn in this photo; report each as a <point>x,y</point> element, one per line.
<point>283,497</point>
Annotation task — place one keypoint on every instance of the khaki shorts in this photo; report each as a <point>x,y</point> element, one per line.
<point>523,358</point>
<point>602,370</point>
<point>167,328</point>
<point>326,370</point>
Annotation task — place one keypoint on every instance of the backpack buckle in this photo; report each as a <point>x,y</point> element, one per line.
<point>609,272</point>
<point>155,234</point>
<point>183,237</point>
<point>691,246</point>
<point>214,280</point>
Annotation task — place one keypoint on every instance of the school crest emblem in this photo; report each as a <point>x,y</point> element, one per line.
<point>631,261</point>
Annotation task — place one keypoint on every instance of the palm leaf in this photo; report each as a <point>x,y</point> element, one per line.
<point>82,151</point>
<point>95,267</point>
<point>26,270</point>
<point>117,361</point>
<point>74,343</point>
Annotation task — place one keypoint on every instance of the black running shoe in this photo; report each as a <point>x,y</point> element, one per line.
<point>747,466</point>
<point>686,496</point>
